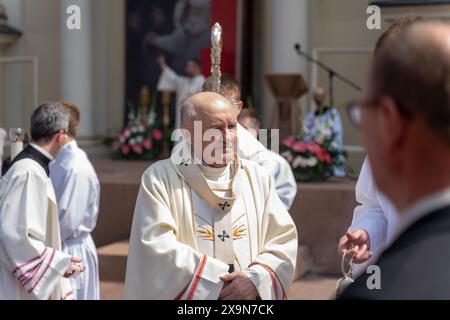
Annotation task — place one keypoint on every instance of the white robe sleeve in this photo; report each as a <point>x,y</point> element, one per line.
<point>23,212</point>
<point>159,266</point>
<point>272,271</point>
<point>170,81</point>
<point>75,202</point>
<point>250,148</point>
<point>285,183</point>
<point>369,215</point>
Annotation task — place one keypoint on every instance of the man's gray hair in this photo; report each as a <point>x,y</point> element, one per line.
<point>188,112</point>
<point>47,120</point>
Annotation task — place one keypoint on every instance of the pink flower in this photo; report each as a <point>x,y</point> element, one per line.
<point>137,148</point>
<point>148,145</point>
<point>125,149</point>
<point>157,134</point>
<point>323,156</point>
<point>127,133</point>
<point>300,146</point>
<point>288,142</point>
<point>314,148</point>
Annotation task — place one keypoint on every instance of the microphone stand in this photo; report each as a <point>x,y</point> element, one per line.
<point>331,73</point>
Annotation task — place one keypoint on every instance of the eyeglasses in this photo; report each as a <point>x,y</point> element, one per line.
<point>61,131</point>
<point>354,111</point>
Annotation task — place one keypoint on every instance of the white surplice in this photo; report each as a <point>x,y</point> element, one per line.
<point>375,214</point>
<point>252,149</point>
<point>78,194</point>
<point>188,229</point>
<point>182,86</point>
<point>32,264</point>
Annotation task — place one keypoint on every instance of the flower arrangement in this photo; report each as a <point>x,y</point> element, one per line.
<point>143,138</point>
<point>314,155</point>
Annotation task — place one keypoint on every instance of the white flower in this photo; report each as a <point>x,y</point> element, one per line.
<point>320,138</point>
<point>151,118</point>
<point>327,132</point>
<point>139,139</point>
<point>134,129</point>
<point>132,141</point>
<point>334,145</point>
<point>312,162</point>
<point>299,162</point>
<point>287,155</point>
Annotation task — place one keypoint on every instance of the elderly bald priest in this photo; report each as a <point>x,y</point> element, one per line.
<point>208,225</point>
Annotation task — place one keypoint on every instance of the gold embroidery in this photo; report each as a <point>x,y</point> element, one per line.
<point>206,233</point>
<point>239,232</point>
<point>249,234</point>
<point>238,262</point>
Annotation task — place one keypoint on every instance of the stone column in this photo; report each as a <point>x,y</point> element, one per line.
<point>286,22</point>
<point>76,65</point>
<point>290,25</point>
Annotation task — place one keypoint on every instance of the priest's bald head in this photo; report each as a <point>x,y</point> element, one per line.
<point>211,122</point>
<point>406,113</point>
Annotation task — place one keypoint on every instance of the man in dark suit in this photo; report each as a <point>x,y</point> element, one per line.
<point>406,127</point>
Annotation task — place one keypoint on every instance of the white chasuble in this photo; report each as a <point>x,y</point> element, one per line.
<point>189,230</point>
<point>32,264</point>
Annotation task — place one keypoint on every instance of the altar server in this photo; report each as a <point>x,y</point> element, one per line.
<point>78,195</point>
<point>209,225</point>
<point>32,264</point>
<point>285,183</point>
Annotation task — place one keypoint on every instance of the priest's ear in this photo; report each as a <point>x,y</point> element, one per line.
<point>394,125</point>
<point>61,136</point>
<point>239,105</point>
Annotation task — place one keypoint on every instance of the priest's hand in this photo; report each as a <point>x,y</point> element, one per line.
<point>238,287</point>
<point>356,245</point>
<point>75,268</point>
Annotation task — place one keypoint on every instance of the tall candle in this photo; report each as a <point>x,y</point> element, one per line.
<point>16,148</point>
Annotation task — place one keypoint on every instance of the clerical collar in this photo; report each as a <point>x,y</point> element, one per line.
<point>43,151</point>
<point>32,152</point>
<point>211,172</point>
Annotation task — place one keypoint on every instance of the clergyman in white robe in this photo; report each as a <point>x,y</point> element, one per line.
<point>32,264</point>
<point>193,224</point>
<point>182,86</point>
<point>78,194</point>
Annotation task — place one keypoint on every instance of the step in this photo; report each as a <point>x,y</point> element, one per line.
<point>309,287</point>
<point>113,261</point>
<point>304,262</point>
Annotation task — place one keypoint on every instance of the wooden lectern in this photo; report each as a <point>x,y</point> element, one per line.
<point>287,90</point>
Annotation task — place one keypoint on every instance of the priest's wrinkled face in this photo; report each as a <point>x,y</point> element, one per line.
<point>211,121</point>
